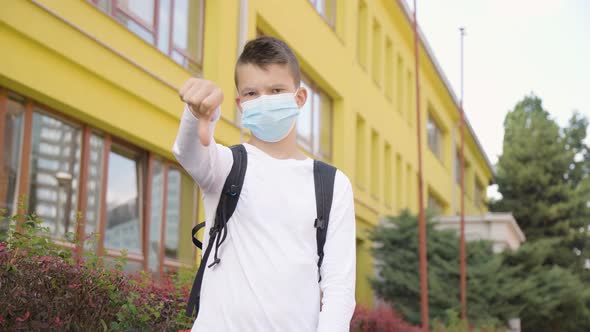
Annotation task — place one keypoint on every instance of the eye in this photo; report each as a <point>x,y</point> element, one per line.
<point>277,90</point>
<point>250,93</point>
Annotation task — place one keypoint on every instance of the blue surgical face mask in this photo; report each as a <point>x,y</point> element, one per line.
<point>271,117</point>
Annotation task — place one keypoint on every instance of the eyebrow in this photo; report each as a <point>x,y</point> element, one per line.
<point>272,86</point>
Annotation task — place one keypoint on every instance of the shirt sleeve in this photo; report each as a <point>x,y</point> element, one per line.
<point>338,269</point>
<point>207,165</point>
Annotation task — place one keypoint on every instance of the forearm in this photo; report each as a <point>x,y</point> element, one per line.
<point>205,164</point>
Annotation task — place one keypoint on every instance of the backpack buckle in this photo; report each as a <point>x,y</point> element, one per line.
<point>319,223</point>
<point>233,190</point>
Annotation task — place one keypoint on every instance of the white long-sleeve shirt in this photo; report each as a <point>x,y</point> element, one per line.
<point>267,279</point>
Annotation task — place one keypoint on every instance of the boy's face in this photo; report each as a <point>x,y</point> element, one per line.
<point>253,82</point>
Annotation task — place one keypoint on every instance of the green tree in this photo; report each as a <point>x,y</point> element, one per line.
<point>548,297</point>
<point>398,281</point>
<point>544,178</point>
<point>531,172</point>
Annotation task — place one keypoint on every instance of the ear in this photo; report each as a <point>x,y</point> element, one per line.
<point>301,97</point>
<point>238,104</point>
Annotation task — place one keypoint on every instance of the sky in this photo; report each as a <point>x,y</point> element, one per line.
<point>512,48</point>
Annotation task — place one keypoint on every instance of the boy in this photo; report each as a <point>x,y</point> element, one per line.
<point>267,279</point>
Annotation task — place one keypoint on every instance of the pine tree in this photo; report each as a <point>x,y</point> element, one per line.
<point>398,280</point>
<point>531,172</point>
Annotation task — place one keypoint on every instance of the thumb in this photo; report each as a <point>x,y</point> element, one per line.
<point>205,130</point>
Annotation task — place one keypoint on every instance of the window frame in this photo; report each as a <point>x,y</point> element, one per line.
<point>113,8</point>
<point>310,142</point>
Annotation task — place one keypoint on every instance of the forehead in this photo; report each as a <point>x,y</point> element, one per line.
<point>253,76</point>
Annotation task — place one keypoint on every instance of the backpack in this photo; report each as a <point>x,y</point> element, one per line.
<point>323,175</point>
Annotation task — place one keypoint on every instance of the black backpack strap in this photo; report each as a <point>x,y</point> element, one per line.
<point>217,234</point>
<point>323,176</point>
<point>196,242</point>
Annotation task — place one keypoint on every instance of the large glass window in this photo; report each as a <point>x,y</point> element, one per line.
<point>94,184</point>
<point>314,125</point>
<point>175,27</point>
<point>156,209</point>
<point>123,227</point>
<point>114,205</point>
<point>180,216</point>
<point>478,196</point>
<point>11,153</point>
<point>435,138</point>
<point>54,172</point>
<point>175,188</point>
<point>326,8</point>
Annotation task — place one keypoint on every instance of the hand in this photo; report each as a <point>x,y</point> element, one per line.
<point>202,98</point>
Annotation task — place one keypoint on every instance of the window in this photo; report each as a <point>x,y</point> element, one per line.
<point>478,194</point>
<point>435,138</point>
<point>410,98</point>
<point>435,204</point>
<point>314,125</point>
<point>400,88</point>
<point>388,68</point>
<point>172,201</point>
<point>123,213</point>
<point>457,163</point>
<point>60,154</point>
<point>398,180</point>
<point>360,151</point>
<point>458,168</point>
<point>375,176</point>
<point>388,180</point>
<point>156,209</point>
<point>377,52</point>
<point>175,27</point>
<point>54,173</point>
<point>94,185</point>
<point>362,34</point>
<point>11,151</point>
<point>180,205</point>
<point>327,9</point>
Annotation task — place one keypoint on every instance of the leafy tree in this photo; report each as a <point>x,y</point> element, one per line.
<point>531,172</point>
<point>398,281</point>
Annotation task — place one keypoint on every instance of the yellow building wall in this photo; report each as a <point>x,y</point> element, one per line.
<point>82,63</point>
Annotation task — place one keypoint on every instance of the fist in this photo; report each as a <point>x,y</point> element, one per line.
<point>202,98</point>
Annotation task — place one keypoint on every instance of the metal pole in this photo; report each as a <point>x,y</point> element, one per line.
<point>462,192</point>
<point>421,218</point>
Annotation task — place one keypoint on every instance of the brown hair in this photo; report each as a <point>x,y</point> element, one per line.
<point>264,51</point>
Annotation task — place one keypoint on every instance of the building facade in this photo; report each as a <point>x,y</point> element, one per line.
<point>89,111</point>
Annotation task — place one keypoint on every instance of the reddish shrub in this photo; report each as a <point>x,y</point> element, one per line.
<point>48,292</point>
<point>380,319</point>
